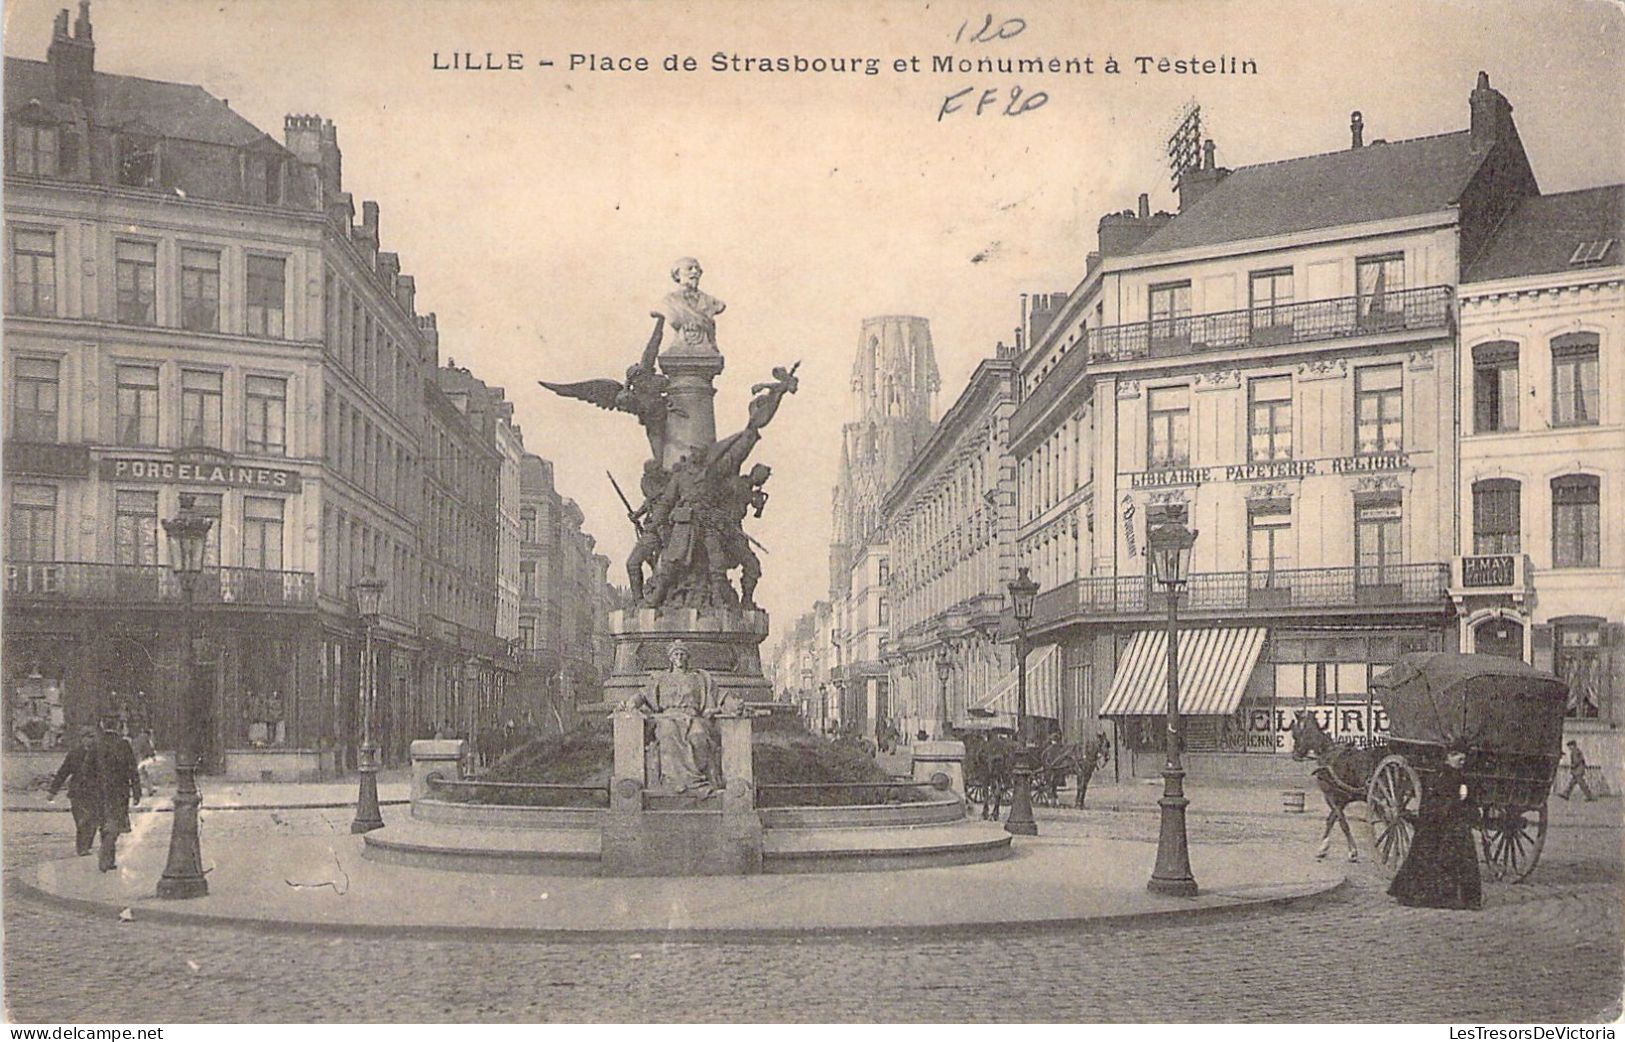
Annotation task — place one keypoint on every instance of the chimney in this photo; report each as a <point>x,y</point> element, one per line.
<point>369,222</point>
<point>1195,183</point>
<point>1492,115</point>
<point>316,142</point>
<point>1145,206</point>
<point>73,58</point>
<point>1356,129</point>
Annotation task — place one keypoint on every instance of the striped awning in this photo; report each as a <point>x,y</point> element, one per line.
<point>1043,687</point>
<point>1214,666</point>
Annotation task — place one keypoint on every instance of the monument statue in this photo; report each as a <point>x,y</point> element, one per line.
<point>682,701</point>
<point>691,313</point>
<point>645,392</point>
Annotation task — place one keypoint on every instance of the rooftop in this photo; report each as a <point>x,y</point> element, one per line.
<point>1566,231</point>
<point>1380,181</point>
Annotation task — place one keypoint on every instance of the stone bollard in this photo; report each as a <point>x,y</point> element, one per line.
<point>627,778</point>
<point>435,756</point>
<point>739,794</point>
<point>941,757</point>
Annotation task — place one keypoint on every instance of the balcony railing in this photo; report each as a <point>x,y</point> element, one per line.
<point>1396,586</point>
<point>63,581</point>
<point>1334,319</point>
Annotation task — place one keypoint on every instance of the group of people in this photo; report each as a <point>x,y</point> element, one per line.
<point>103,776</point>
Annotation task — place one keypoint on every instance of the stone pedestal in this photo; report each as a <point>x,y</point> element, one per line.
<point>693,429</point>
<point>435,756</point>
<point>932,758</point>
<point>738,770</point>
<point>725,642</point>
<point>626,779</point>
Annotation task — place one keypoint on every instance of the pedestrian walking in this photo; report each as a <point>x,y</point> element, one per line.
<point>78,773</point>
<point>1577,772</point>
<point>107,779</point>
<point>1441,867</point>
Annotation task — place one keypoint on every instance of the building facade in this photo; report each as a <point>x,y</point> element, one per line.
<point>951,523</point>
<point>1276,366</point>
<point>196,321</point>
<point>1539,573</point>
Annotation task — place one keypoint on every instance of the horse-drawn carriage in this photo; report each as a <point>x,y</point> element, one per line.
<point>990,758</point>
<point>1057,761</point>
<point>1508,719</point>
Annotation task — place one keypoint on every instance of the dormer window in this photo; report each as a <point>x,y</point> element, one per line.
<point>138,162</point>
<point>1590,252</point>
<point>35,149</point>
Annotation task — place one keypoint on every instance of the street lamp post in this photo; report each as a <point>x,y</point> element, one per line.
<point>1023,592</point>
<point>369,595</point>
<point>183,873</point>
<point>1170,549</point>
<point>945,669</point>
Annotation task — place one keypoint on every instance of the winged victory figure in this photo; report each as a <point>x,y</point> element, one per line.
<point>643,393</point>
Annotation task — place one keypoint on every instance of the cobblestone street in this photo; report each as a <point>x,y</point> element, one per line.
<point>1547,950</point>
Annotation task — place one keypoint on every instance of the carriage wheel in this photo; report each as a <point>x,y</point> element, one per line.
<point>1512,837</point>
<point>1392,801</point>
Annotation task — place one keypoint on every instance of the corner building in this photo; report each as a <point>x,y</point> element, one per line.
<point>1276,366</point>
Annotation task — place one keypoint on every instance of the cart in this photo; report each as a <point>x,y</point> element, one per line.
<point>1508,715</point>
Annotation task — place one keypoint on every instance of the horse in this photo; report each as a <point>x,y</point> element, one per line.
<point>1343,771</point>
<point>988,762</point>
<point>1058,760</point>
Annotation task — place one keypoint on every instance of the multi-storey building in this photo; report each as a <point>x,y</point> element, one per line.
<point>196,321</point>
<point>565,598</point>
<point>893,393</point>
<point>1539,574</point>
<point>950,523</point>
<point>1276,366</point>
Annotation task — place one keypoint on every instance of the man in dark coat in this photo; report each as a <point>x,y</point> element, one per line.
<point>105,780</point>
<point>77,772</point>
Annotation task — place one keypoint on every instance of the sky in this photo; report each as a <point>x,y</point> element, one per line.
<point>540,209</point>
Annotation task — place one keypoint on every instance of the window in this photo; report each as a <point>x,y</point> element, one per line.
<point>265,296</point>
<point>34,399</point>
<point>527,524</point>
<point>201,399</point>
<point>200,290</point>
<point>1574,380</point>
<point>1170,311</point>
<point>33,273</point>
<point>1269,294</point>
<point>32,525</point>
<point>1375,278</point>
<point>1378,409</point>
<point>137,405</point>
<point>34,149</point>
<point>1576,522</point>
<point>527,633</point>
<point>885,572</point>
<point>1269,542</point>
<point>1271,433</point>
<point>135,528</point>
<point>1377,550</point>
<point>883,612</point>
<point>137,277</point>
<point>208,505</point>
<point>1496,517</point>
<point>137,162</point>
<point>527,578</point>
<point>266,425</point>
<point>1495,387</point>
<point>1170,427</point>
<point>262,533</point>
<point>1578,661</point>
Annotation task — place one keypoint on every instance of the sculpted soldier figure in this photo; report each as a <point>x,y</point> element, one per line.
<point>691,313</point>
<point>682,701</point>
<point>743,494</point>
<point>691,548</point>
<point>651,520</point>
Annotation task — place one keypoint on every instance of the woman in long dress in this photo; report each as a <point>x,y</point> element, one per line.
<point>1441,868</point>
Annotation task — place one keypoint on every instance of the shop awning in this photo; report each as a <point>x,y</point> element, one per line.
<point>1214,666</point>
<point>1043,687</point>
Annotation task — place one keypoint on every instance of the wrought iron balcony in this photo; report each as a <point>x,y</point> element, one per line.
<point>154,584</point>
<point>1405,586</point>
<point>1335,319</point>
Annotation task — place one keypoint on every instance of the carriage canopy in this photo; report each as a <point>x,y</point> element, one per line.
<point>1482,701</point>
